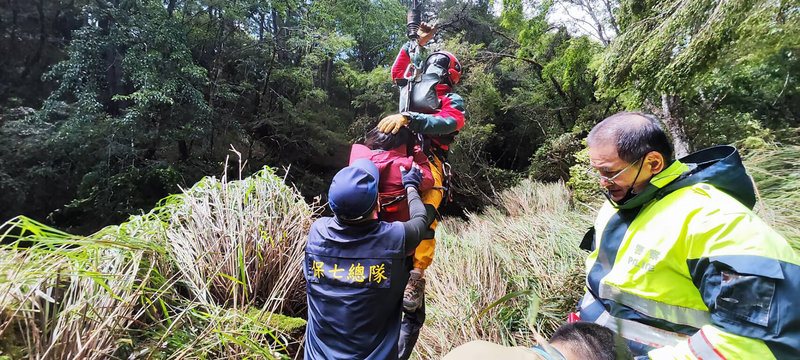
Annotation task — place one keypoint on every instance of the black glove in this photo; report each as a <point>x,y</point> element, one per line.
<point>411,177</point>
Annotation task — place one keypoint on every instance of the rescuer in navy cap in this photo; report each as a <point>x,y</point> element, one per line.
<point>356,268</point>
<point>354,191</point>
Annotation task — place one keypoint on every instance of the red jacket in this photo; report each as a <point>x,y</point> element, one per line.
<point>390,185</point>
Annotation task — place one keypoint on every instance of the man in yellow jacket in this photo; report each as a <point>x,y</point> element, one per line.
<point>680,266</point>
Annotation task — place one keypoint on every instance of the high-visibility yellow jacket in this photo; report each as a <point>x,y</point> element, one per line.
<point>685,270</point>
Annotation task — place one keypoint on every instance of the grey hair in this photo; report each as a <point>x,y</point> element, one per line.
<point>634,133</point>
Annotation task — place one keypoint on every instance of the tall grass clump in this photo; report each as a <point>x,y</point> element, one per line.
<point>236,249</point>
<point>239,242</point>
<point>69,297</point>
<point>776,171</point>
<point>209,273</point>
<point>505,275</point>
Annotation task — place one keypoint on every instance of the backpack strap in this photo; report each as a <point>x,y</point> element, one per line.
<point>434,152</point>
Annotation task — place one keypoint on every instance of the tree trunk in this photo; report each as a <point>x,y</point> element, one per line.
<point>328,71</point>
<point>170,7</point>
<point>31,62</point>
<point>183,149</point>
<point>673,115</point>
<point>112,64</point>
<point>611,17</point>
<point>261,19</point>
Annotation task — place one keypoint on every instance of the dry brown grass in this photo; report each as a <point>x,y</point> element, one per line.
<point>70,297</point>
<point>776,172</point>
<point>530,244</point>
<point>240,242</point>
<point>204,275</point>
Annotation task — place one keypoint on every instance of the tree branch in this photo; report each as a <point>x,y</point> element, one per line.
<point>611,18</point>
<point>535,64</point>
<point>504,36</point>
<point>560,92</point>
<point>785,83</point>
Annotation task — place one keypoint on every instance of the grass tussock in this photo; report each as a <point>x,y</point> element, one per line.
<point>236,243</point>
<point>527,248</point>
<point>776,172</point>
<point>204,275</point>
<point>66,297</point>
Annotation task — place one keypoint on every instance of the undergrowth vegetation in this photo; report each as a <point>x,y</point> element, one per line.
<point>205,275</point>
<point>776,171</point>
<point>506,274</point>
<point>214,272</point>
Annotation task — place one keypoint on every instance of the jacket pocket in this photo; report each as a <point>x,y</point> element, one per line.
<point>747,289</point>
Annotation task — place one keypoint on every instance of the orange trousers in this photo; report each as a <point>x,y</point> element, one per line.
<point>423,255</point>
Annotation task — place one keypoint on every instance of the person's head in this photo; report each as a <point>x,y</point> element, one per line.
<point>626,150</point>
<point>353,194</point>
<point>589,341</point>
<point>444,64</point>
<point>377,140</point>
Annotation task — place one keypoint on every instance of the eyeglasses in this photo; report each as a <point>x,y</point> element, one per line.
<point>548,352</point>
<point>593,172</point>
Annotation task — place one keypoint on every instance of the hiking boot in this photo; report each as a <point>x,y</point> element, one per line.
<point>412,296</point>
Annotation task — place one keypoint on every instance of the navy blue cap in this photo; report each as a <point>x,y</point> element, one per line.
<point>354,190</point>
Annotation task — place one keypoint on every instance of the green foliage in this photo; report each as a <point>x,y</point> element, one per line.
<point>378,97</point>
<point>531,30</point>
<point>512,16</point>
<point>140,98</point>
<point>284,323</point>
<point>732,65</point>
<point>585,187</point>
<point>724,126</point>
<point>665,48</point>
<point>485,98</point>
<point>376,27</point>
<point>547,90</point>
<point>572,69</point>
<point>476,179</point>
<point>552,161</point>
<point>143,87</point>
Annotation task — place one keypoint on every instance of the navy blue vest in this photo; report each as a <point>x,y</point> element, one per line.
<point>355,276</point>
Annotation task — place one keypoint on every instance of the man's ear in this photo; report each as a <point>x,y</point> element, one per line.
<point>656,162</point>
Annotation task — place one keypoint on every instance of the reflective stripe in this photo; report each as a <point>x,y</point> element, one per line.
<point>586,300</point>
<point>638,332</point>
<point>629,329</point>
<point>702,348</point>
<point>656,309</point>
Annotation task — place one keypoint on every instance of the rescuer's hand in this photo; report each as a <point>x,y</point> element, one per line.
<point>411,177</point>
<point>392,123</point>
<point>426,32</point>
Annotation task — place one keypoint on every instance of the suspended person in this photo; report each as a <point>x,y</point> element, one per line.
<point>438,121</point>
<point>355,268</point>
<point>679,264</point>
<point>389,152</point>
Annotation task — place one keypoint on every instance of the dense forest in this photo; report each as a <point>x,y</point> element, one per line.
<point>107,106</point>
